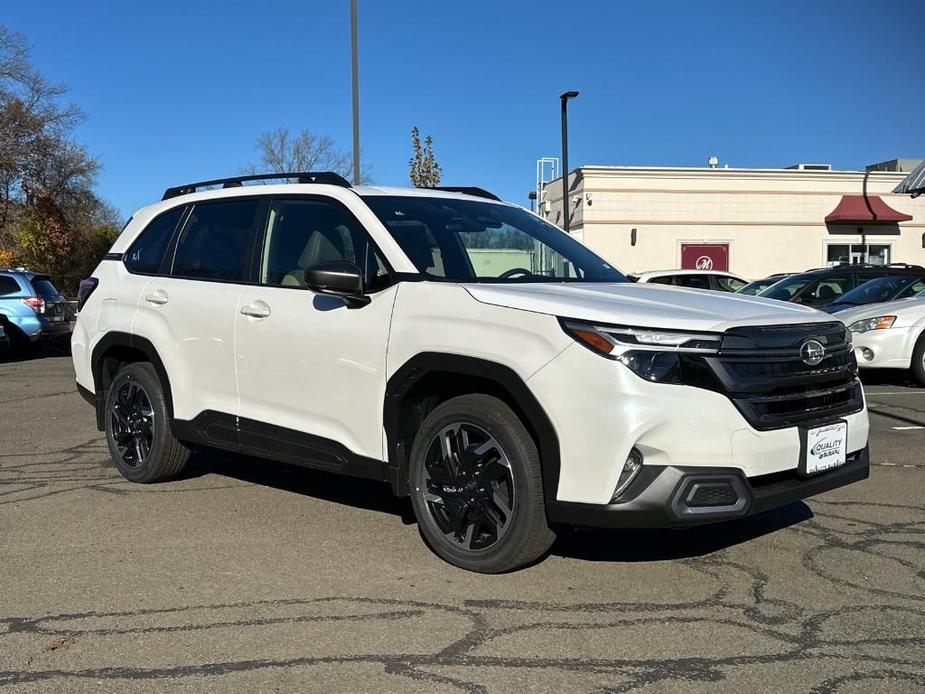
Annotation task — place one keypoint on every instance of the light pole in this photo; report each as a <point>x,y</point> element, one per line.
<point>356,94</point>
<point>564,98</point>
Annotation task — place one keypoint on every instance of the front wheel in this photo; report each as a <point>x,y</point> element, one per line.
<point>476,486</point>
<point>138,427</point>
<point>918,360</point>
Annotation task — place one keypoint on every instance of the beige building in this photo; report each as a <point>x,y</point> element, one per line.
<point>753,222</point>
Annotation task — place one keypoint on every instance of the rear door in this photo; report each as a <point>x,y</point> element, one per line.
<point>189,311</point>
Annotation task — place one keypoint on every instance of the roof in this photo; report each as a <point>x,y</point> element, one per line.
<point>864,209</point>
<point>663,273</point>
<point>914,183</point>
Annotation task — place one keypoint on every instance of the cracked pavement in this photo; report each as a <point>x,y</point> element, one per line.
<point>253,576</point>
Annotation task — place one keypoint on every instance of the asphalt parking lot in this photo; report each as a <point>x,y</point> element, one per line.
<point>257,577</point>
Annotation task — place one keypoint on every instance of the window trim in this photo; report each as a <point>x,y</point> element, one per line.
<point>260,242</point>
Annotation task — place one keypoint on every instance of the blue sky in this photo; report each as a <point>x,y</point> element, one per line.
<point>179,91</point>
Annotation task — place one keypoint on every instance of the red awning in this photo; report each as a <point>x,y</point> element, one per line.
<point>858,209</point>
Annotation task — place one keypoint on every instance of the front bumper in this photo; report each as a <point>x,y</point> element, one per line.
<point>890,348</point>
<point>673,497</point>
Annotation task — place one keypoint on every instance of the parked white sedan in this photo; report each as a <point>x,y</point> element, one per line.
<point>889,335</point>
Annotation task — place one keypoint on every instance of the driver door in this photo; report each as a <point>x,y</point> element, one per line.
<point>311,371</point>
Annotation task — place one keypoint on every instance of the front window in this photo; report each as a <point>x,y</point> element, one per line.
<point>882,289</point>
<point>472,241</point>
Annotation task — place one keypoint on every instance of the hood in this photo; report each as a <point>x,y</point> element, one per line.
<point>894,308</point>
<point>645,305</point>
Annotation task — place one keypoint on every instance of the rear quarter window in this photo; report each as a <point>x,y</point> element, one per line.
<point>144,257</point>
<point>44,288</point>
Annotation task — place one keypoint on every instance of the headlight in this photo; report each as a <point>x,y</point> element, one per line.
<point>654,355</point>
<point>605,339</point>
<point>867,324</point>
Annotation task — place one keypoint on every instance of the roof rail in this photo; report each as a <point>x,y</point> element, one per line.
<point>328,177</point>
<point>899,266</point>
<point>468,190</point>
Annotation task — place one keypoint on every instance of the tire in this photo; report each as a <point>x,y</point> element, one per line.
<point>476,486</point>
<point>138,427</point>
<point>918,360</point>
<point>21,346</point>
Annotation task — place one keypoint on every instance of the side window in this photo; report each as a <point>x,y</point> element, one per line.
<point>216,241</point>
<point>693,281</point>
<point>827,290</point>
<point>912,289</point>
<point>8,285</point>
<point>145,255</point>
<point>302,233</point>
<point>668,279</point>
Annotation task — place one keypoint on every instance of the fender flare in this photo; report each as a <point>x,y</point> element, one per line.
<point>120,339</point>
<point>424,363</point>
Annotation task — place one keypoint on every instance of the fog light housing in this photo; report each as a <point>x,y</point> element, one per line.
<point>867,353</point>
<point>631,468</point>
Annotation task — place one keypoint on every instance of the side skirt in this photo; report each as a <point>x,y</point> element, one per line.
<point>251,437</point>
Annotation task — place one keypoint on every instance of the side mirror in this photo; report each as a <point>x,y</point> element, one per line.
<point>338,278</point>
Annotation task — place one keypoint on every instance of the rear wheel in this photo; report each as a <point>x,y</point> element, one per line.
<point>138,427</point>
<point>918,360</point>
<point>476,486</point>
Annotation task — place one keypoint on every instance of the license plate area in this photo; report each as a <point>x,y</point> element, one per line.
<point>823,448</point>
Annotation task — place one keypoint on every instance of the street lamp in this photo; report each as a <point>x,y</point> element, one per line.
<point>356,93</point>
<point>564,98</point>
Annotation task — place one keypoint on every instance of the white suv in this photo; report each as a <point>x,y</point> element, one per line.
<point>466,352</point>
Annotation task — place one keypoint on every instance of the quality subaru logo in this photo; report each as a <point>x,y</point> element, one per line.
<point>812,352</point>
<point>826,448</point>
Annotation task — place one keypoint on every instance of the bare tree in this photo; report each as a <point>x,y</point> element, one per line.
<point>50,218</point>
<point>306,151</point>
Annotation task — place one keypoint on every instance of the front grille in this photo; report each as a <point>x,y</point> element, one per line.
<point>762,371</point>
<point>833,363</point>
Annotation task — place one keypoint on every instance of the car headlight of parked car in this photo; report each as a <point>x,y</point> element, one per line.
<point>867,324</point>
<point>654,355</point>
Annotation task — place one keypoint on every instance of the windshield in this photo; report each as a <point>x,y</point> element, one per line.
<point>753,288</point>
<point>786,288</point>
<point>472,241</point>
<point>881,289</point>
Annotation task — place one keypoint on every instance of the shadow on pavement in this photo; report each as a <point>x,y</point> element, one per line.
<point>340,489</point>
<point>628,545</point>
<point>43,350</point>
<point>633,545</point>
<point>889,377</point>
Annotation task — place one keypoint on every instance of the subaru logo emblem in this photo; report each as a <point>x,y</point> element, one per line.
<point>812,352</point>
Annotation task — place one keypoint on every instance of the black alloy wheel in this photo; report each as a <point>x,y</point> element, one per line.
<point>469,488</point>
<point>132,423</point>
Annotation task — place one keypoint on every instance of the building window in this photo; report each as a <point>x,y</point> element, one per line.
<point>877,253</point>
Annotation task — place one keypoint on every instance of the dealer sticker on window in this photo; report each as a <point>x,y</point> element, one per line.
<point>826,447</point>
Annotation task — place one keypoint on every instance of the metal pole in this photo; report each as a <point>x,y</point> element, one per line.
<point>565,220</point>
<point>356,94</point>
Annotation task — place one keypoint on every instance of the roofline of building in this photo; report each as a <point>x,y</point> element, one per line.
<point>737,170</point>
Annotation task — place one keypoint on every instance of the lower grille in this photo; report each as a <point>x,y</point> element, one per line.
<point>774,411</point>
<point>712,494</point>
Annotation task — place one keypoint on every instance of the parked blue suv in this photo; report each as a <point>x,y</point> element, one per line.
<point>32,308</point>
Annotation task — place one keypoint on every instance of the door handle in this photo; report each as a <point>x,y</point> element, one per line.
<point>258,309</point>
<point>158,297</point>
